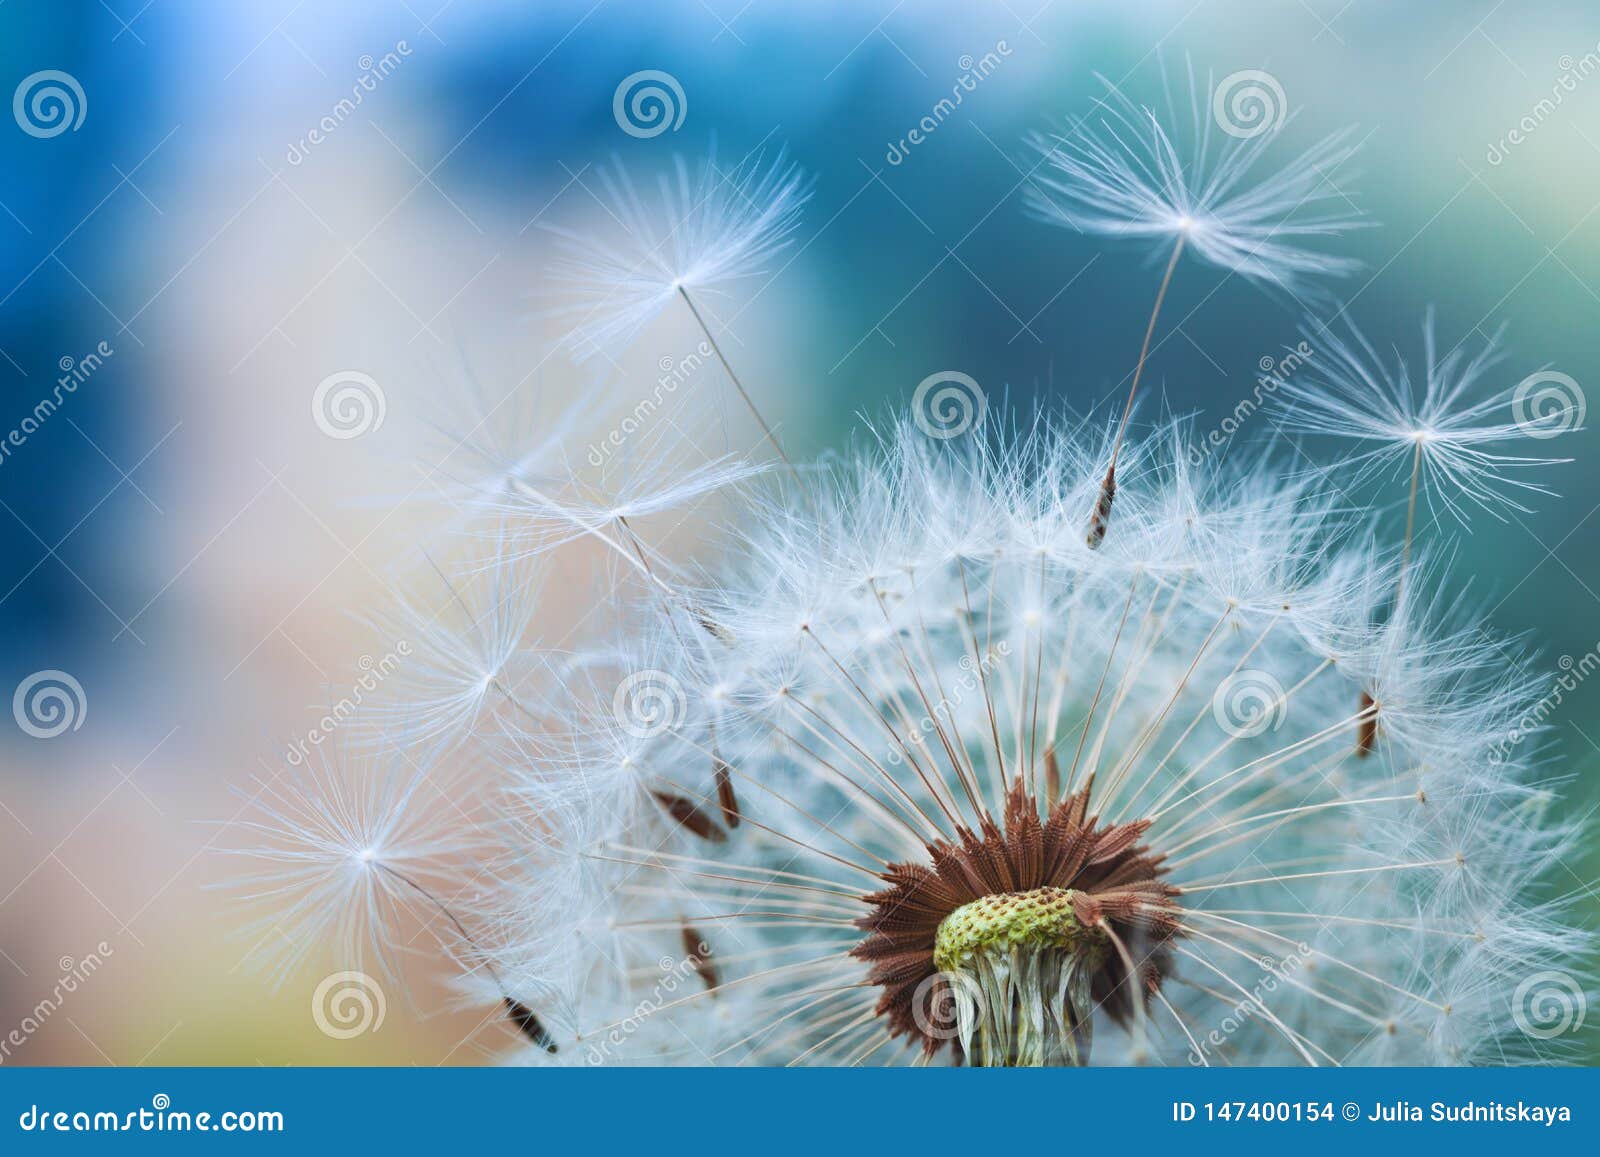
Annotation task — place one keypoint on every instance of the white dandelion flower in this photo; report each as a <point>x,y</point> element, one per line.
<point>1004,800</point>
<point>1440,420</point>
<point>1123,173</point>
<point>911,769</point>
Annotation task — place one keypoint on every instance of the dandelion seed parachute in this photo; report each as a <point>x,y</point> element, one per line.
<point>704,229</point>
<point>485,438</point>
<point>343,844</point>
<point>1440,416</point>
<point>467,653</point>
<point>1121,173</point>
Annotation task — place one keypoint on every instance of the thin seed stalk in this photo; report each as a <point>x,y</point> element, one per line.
<point>1100,520</point>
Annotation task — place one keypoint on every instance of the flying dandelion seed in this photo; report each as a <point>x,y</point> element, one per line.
<point>699,231</point>
<point>1130,173</point>
<point>1437,419</point>
<point>1119,173</point>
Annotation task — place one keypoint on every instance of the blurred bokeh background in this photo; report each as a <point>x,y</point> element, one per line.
<point>181,538</point>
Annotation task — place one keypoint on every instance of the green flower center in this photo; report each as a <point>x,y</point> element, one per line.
<point>1039,919</point>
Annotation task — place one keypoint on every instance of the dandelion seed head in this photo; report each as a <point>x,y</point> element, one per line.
<point>1187,696</point>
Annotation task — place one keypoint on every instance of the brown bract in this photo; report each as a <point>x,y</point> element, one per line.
<point>1119,892</point>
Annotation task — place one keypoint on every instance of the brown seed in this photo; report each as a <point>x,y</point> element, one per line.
<point>709,625</point>
<point>527,1022</point>
<point>1102,509</point>
<point>725,797</point>
<point>1367,727</point>
<point>1052,775</point>
<point>684,812</point>
<point>697,952</point>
